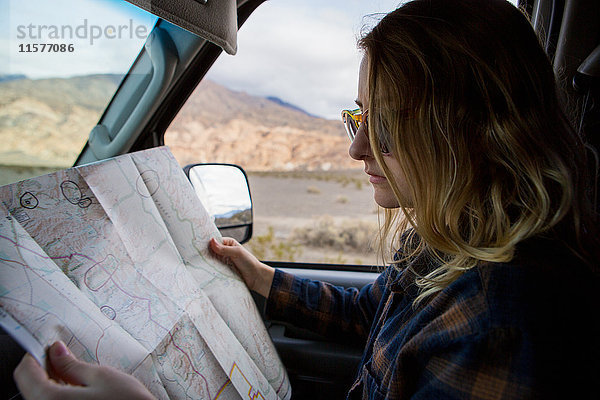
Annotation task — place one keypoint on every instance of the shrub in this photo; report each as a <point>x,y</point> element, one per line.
<point>267,247</point>
<point>339,259</point>
<point>349,235</point>
<point>341,199</point>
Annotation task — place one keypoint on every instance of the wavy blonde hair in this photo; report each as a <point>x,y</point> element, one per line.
<point>465,98</point>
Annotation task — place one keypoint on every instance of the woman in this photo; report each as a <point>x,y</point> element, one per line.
<point>493,287</point>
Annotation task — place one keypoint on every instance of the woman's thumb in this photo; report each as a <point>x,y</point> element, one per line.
<point>66,367</point>
<point>216,246</point>
<point>223,249</point>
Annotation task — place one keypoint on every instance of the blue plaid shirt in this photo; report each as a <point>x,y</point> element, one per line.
<point>518,330</point>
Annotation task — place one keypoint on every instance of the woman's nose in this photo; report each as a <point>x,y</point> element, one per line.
<point>360,147</point>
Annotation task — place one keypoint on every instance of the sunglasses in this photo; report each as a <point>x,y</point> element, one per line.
<point>353,119</point>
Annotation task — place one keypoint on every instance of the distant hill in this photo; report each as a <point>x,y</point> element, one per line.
<point>277,100</point>
<point>212,104</point>
<point>220,125</point>
<point>4,78</point>
<point>47,121</point>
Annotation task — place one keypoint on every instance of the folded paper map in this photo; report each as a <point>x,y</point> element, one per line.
<point>112,258</point>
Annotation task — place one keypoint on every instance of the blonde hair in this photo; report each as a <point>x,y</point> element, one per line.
<point>465,99</point>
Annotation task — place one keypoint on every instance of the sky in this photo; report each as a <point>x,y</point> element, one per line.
<point>306,54</point>
<point>221,189</point>
<point>303,52</point>
<point>81,19</point>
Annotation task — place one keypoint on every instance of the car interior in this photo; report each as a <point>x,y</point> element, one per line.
<point>190,35</point>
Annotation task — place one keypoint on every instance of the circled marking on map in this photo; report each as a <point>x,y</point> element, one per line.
<point>28,200</point>
<point>148,183</point>
<point>109,312</point>
<point>71,191</point>
<point>73,194</point>
<point>85,202</point>
<point>101,273</point>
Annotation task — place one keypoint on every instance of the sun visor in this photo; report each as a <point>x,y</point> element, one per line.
<point>214,20</point>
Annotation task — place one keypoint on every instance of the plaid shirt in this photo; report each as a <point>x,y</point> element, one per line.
<point>525,329</point>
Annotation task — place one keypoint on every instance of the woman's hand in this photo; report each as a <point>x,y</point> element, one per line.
<point>81,380</point>
<point>258,276</point>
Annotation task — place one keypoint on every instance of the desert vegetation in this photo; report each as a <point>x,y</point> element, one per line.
<point>268,247</point>
<point>314,216</point>
<point>337,242</point>
<point>343,177</point>
<point>347,235</point>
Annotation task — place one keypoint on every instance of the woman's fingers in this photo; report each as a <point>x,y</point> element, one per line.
<point>82,381</point>
<point>220,251</point>
<point>216,246</point>
<point>34,383</point>
<point>67,368</point>
<point>229,251</point>
<point>31,378</point>
<point>227,241</point>
<point>258,276</point>
<point>233,254</point>
<point>227,247</point>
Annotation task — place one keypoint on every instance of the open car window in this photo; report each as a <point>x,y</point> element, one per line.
<point>60,64</point>
<point>274,109</point>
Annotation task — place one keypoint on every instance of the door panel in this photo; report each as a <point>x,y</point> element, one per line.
<point>318,368</point>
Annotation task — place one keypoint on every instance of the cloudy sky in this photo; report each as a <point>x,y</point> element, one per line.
<point>102,55</point>
<point>303,52</point>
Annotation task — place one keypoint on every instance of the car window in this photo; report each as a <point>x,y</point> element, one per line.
<point>274,109</point>
<point>60,64</point>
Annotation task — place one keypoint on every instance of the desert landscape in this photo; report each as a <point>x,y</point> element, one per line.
<point>328,218</point>
<point>312,203</point>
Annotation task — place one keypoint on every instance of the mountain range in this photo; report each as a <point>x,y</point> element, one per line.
<point>47,121</point>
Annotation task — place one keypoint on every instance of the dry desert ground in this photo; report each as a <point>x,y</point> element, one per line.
<point>314,217</point>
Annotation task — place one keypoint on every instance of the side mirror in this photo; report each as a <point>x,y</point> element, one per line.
<point>225,193</point>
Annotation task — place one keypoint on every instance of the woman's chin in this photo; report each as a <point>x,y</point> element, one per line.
<point>386,200</point>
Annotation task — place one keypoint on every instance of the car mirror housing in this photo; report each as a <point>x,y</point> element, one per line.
<point>224,191</point>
